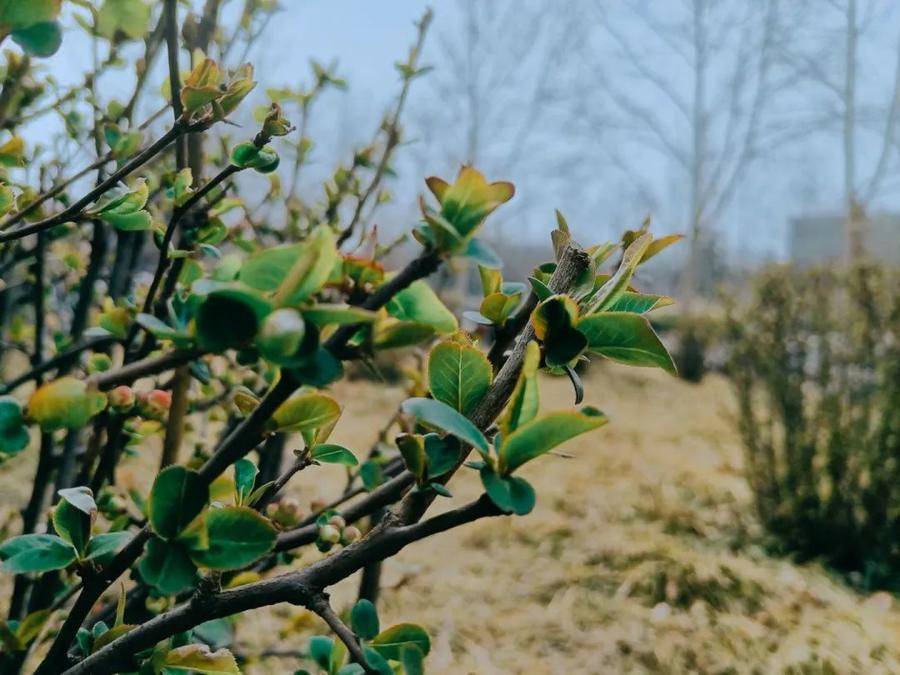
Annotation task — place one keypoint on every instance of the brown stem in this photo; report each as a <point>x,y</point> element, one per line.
<point>299,588</point>
<point>320,605</point>
<point>74,211</point>
<point>149,366</point>
<point>177,414</point>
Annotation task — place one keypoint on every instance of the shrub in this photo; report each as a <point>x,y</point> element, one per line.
<point>230,349</point>
<point>815,361</point>
<point>691,355</point>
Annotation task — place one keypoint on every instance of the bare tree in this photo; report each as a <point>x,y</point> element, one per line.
<point>498,95</point>
<point>841,59</point>
<point>692,82</point>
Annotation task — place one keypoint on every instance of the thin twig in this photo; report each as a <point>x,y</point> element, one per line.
<point>320,605</point>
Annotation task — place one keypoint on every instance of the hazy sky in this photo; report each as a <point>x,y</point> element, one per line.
<point>548,153</point>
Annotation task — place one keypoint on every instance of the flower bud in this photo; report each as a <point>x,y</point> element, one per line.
<point>275,123</point>
<point>338,521</point>
<point>317,505</point>
<point>349,535</point>
<point>156,403</point>
<point>99,363</point>
<point>281,335</point>
<point>285,513</point>
<point>329,534</point>
<point>122,398</point>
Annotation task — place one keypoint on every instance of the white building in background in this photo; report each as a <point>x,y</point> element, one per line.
<point>820,239</point>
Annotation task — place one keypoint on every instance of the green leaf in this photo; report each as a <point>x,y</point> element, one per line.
<point>108,636</point>
<point>16,14</point>
<point>128,17</point>
<point>545,433</point>
<point>470,199</point>
<point>167,567</point>
<point>442,416</point>
<point>40,39</point>
<point>389,642</point>
<point>491,280</point>
<point>13,439</point>
<point>338,656</point>
<point>181,186</point>
<point>244,477</point>
<point>104,545</point>
<point>177,497</point>
<point>617,284</point>
<point>13,432</point>
<point>319,369</point>
<point>82,498</point>
<point>238,536</point>
<point>525,400</point>
<point>124,208</point>
<point>72,524</point>
<point>412,659</point>
<point>12,152</point>
<point>497,488</point>
<point>364,620</point>
<point>639,303</point>
<point>198,658</point>
<point>553,322</point>
<point>394,334</point>
<point>420,304</point>
<point>377,661</point>
<point>371,474</point>
<point>482,254</point>
<point>215,632</point>
<point>230,317</point>
<point>7,199</point>
<point>658,245</point>
<point>541,290</point>
<point>311,269</point>
<point>442,454</point>
<point>248,156</point>
<point>65,403</point>
<point>324,315</point>
<point>331,453</point>
<point>351,669</point>
<point>305,412</point>
<point>412,449</point>
<point>458,375</point>
<point>36,553</point>
<point>139,221</point>
<point>266,269</point>
<point>157,327</point>
<point>498,307</point>
<point>320,648</point>
<point>626,338</point>
<point>521,494</point>
<point>31,625</point>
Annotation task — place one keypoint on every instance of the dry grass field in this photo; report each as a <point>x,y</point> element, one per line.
<point>642,556</point>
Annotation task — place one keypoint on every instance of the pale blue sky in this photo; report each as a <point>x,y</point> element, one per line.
<point>555,162</point>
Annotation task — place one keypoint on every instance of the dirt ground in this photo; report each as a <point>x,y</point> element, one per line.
<point>642,556</point>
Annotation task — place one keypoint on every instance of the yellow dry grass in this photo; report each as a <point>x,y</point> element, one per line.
<point>641,556</point>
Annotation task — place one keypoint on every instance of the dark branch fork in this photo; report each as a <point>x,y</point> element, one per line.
<point>398,529</point>
<point>77,208</point>
<point>241,441</point>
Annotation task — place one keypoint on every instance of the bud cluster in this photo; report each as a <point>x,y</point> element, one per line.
<point>153,404</point>
<point>285,513</point>
<point>333,529</point>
